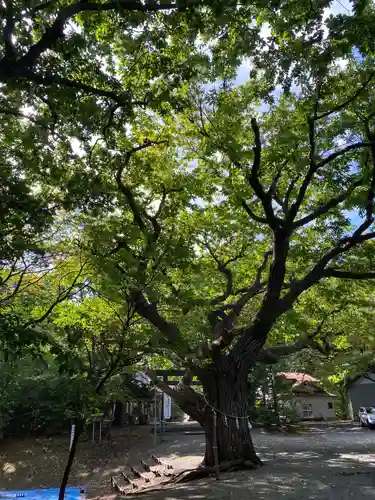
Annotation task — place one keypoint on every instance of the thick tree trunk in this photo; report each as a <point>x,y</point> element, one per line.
<point>225,389</point>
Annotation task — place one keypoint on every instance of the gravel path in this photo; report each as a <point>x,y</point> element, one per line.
<point>326,462</point>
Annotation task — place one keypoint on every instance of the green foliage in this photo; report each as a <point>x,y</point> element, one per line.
<point>142,200</point>
<point>180,268</point>
<point>37,398</point>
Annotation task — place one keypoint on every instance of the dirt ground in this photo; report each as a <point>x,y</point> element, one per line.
<point>326,462</point>
<point>39,463</point>
<point>333,462</point>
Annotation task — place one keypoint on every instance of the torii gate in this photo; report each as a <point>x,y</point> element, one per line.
<point>165,375</point>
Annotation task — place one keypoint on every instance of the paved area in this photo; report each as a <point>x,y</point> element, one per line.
<point>334,462</point>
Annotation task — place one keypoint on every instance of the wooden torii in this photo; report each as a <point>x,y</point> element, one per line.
<point>165,374</point>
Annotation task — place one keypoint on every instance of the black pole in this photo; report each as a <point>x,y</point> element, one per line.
<point>79,429</point>
<point>72,452</point>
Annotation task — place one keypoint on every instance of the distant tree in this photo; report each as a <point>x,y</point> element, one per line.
<point>93,341</point>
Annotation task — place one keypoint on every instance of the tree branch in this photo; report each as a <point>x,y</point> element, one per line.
<point>122,98</point>
<point>11,272</point>
<point>189,400</point>
<point>162,202</point>
<point>371,191</point>
<point>222,267</point>
<point>253,215</point>
<point>332,203</point>
<point>332,272</point>
<point>18,288</point>
<point>288,194</point>
<point>222,334</point>
<point>55,32</point>
<point>273,187</point>
<point>18,284</point>
<point>18,114</point>
<point>273,354</point>
<point>154,218</point>
<point>341,152</point>
<point>319,270</point>
<point>43,6</point>
<point>349,100</point>
<point>310,173</point>
<point>149,311</point>
<point>60,298</point>
<point>7,34</point>
<point>253,179</point>
<point>314,167</point>
<point>138,213</point>
<point>24,67</point>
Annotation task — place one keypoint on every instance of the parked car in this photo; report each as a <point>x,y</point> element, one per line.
<point>367,416</point>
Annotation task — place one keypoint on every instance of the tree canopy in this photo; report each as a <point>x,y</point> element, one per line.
<point>154,205</point>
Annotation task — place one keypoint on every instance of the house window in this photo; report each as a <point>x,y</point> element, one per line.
<point>330,405</point>
<point>307,410</point>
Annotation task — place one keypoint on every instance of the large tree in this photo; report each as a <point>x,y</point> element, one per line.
<point>263,197</point>
<point>211,213</point>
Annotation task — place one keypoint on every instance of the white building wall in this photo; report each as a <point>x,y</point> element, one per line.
<point>319,405</point>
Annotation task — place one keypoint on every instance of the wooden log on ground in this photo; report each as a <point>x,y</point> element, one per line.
<point>146,466</point>
<point>168,474</point>
<point>139,474</point>
<point>161,462</point>
<point>199,473</point>
<point>156,472</point>
<point>129,481</point>
<point>149,468</point>
<point>116,487</point>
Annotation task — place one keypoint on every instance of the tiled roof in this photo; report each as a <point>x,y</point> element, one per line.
<point>298,377</point>
<point>304,384</point>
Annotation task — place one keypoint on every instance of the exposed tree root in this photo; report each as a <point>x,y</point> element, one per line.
<point>199,473</point>
<point>202,471</point>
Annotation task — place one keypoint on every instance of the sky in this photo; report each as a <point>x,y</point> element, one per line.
<point>337,7</point>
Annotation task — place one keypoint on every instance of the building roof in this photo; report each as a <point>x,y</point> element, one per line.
<point>297,377</point>
<point>351,379</point>
<point>304,384</point>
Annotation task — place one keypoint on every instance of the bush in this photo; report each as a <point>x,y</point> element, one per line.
<point>38,399</point>
<point>264,416</point>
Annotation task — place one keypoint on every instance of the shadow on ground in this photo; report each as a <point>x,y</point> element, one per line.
<point>39,462</point>
<point>323,463</point>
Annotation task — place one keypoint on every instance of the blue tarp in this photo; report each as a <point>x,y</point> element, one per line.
<point>47,494</point>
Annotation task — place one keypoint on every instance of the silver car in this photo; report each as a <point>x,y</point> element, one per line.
<point>366,416</point>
